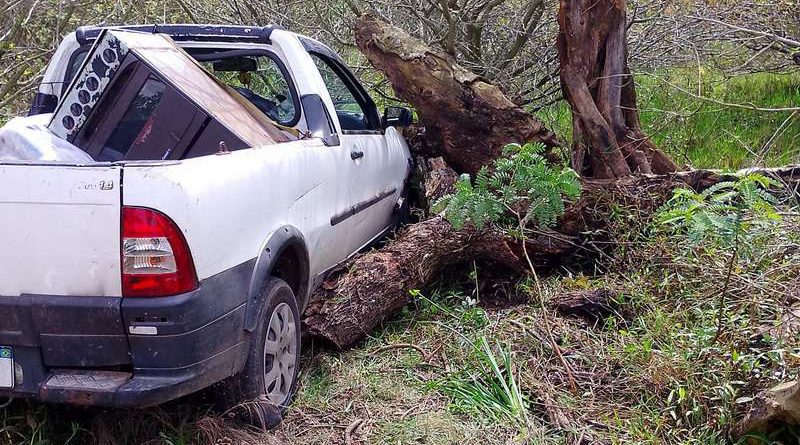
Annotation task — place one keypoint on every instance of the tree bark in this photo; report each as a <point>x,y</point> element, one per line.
<point>592,305</point>
<point>362,293</point>
<point>608,141</point>
<point>472,120</point>
<point>373,286</point>
<point>466,120</point>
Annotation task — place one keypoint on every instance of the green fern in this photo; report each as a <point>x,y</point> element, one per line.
<point>520,189</point>
<point>729,215</point>
<point>724,213</point>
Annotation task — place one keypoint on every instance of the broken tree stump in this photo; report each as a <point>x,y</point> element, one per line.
<point>466,118</point>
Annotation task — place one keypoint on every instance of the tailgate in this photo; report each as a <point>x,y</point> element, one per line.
<point>59,230</point>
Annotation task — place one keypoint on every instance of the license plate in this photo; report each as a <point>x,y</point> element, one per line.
<point>6,367</point>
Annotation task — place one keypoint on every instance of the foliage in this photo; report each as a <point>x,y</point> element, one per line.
<point>730,215</point>
<point>725,213</point>
<point>31,30</point>
<point>488,389</point>
<point>520,184</point>
<point>704,134</point>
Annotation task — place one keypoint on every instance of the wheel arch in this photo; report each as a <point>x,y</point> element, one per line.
<point>284,255</point>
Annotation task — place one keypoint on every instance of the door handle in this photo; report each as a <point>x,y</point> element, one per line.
<point>356,154</point>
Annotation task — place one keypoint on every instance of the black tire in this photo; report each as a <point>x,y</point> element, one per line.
<point>261,393</point>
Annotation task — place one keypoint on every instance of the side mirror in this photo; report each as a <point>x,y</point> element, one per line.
<point>397,117</point>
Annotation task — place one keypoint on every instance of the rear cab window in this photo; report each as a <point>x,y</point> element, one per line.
<point>137,121</point>
<point>259,76</point>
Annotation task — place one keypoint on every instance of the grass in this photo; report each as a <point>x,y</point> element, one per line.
<point>458,367</point>
<point>706,134</point>
<point>488,388</point>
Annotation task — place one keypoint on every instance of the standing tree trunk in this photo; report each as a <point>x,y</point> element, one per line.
<point>608,141</point>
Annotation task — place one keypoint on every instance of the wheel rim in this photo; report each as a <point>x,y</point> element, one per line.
<point>280,354</point>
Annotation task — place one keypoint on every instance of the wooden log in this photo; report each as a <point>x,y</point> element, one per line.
<point>592,305</point>
<point>357,297</point>
<point>366,290</point>
<point>465,118</point>
<point>373,286</point>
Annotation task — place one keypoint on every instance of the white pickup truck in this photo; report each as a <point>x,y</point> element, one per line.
<point>227,169</point>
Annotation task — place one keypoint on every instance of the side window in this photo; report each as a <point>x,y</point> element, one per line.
<point>260,80</point>
<point>74,63</point>
<point>353,114</point>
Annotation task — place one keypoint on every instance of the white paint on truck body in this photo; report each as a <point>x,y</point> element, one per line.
<point>60,230</point>
<point>229,205</point>
<point>60,225</point>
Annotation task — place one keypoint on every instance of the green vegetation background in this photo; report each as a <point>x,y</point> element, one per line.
<point>705,133</point>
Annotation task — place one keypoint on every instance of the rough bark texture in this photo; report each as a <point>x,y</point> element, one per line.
<point>788,176</point>
<point>471,120</point>
<point>358,296</point>
<point>353,301</point>
<point>591,305</point>
<point>608,141</point>
<point>771,409</point>
<point>361,294</point>
<point>371,287</point>
<point>467,119</point>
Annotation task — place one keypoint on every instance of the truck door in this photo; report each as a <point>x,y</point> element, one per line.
<point>373,167</point>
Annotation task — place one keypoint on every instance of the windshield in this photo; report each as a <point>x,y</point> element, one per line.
<point>258,77</point>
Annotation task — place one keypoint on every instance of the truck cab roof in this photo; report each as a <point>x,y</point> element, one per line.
<point>69,55</point>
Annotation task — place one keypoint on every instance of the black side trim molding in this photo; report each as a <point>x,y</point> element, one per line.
<point>361,206</point>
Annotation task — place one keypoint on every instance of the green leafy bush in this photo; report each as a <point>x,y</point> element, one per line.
<point>724,214</point>
<point>730,216</point>
<point>519,189</point>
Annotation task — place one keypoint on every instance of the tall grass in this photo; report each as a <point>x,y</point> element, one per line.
<point>707,134</point>
<point>488,387</point>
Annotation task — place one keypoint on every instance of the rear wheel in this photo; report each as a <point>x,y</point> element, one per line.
<point>281,353</point>
<point>265,387</point>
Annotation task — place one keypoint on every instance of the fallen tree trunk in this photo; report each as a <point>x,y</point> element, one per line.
<point>358,296</point>
<point>467,120</point>
<point>471,120</point>
<point>373,286</point>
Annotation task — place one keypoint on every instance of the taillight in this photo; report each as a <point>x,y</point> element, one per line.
<point>156,261</point>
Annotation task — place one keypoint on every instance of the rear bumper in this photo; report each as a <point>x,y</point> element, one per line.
<point>80,350</point>
<point>139,389</point>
